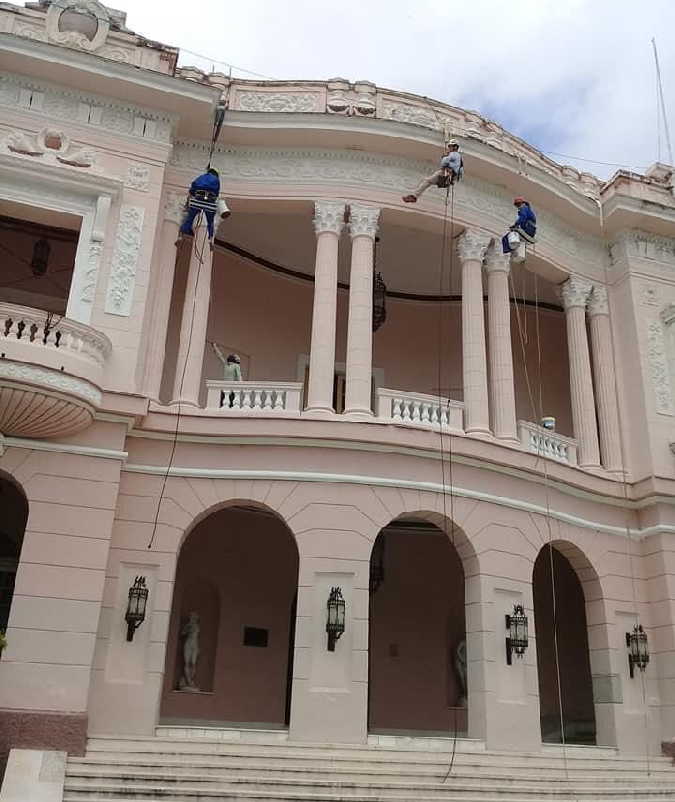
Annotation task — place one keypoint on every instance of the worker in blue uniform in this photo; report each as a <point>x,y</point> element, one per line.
<point>525,225</point>
<point>203,197</point>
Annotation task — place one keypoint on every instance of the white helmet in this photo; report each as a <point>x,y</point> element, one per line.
<point>452,142</point>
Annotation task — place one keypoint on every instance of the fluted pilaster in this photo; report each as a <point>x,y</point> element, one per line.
<point>363,222</point>
<point>471,248</point>
<point>575,293</point>
<point>328,224</point>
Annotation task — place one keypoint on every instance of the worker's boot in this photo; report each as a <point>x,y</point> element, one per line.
<point>410,199</point>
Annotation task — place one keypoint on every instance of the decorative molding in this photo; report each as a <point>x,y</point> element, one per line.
<point>125,261</point>
<point>75,39</point>
<point>304,102</point>
<point>658,367</point>
<point>64,448</point>
<point>325,168</point>
<point>88,288</point>
<point>53,145</point>
<point>359,100</point>
<point>472,245</point>
<point>174,207</point>
<point>138,177</point>
<point>639,244</point>
<point>667,315</point>
<point>495,260</point>
<point>329,216</point>
<point>598,302</point>
<point>649,295</point>
<point>575,292</point>
<point>70,105</point>
<point>52,379</point>
<point>405,484</point>
<point>363,220</point>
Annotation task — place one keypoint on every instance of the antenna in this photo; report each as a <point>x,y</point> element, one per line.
<point>661,109</point>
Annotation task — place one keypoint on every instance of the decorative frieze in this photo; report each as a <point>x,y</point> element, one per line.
<point>138,177</point>
<point>174,207</point>
<point>50,144</point>
<point>279,101</point>
<point>639,244</point>
<point>329,216</point>
<point>72,106</point>
<point>125,261</point>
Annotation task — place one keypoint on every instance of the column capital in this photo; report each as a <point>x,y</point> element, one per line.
<point>598,303</point>
<point>575,292</point>
<point>329,216</point>
<point>495,260</point>
<point>472,245</point>
<point>363,220</point>
<point>174,207</point>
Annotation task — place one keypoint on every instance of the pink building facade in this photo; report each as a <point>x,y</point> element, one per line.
<point>406,466</point>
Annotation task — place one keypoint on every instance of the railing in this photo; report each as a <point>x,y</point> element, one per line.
<point>243,398</point>
<point>546,443</point>
<point>418,409</point>
<point>35,328</point>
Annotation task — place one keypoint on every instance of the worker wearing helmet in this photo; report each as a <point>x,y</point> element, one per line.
<point>451,170</point>
<point>203,197</point>
<point>525,225</point>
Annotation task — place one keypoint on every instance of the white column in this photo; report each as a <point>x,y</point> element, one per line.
<point>164,278</point>
<point>471,248</point>
<point>574,293</point>
<point>358,390</point>
<point>502,393</point>
<point>328,225</point>
<point>195,319</point>
<point>605,381</point>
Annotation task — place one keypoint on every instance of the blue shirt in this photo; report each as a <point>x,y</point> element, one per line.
<point>526,216</point>
<point>207,182</point>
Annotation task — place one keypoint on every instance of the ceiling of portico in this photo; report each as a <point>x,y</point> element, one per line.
<point>408,258</point>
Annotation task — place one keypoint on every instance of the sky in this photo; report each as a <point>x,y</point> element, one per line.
<point>572,77</point>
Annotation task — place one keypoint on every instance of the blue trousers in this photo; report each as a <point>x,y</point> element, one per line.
<point>188,222</point>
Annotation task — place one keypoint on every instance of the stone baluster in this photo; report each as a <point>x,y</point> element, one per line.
<point>575,292</point>
<point>328,224</point>
<point>165,274</point>
<point>605,379</point>
<point>359,368</point>
<point>195,318</point>
<point>471,248</point>
<point>502,393</point>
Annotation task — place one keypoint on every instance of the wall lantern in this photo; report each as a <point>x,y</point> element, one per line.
<point>138,599</point>
<point>638,649</point>
<point>517,639</point>
<point>335,623</point>
<point>40,259</point>
<point>379,294</point>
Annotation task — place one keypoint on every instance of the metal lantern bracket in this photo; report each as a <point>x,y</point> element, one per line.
<point>517,638</point>
<point>638,649</point>
<point>335,622</point>
<point>136,604</point>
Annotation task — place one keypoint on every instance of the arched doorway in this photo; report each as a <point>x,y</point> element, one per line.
<point>417,649</point>
<point>563,664</point>
<point>237,573</point>
<point>13,517</point>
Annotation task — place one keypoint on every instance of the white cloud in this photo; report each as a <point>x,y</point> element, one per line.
<point>575,77</point>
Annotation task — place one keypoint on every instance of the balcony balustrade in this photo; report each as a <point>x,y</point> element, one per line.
<point>545,443</point>
<point>50,373</point>
<point>418,409</point>
<point>254,398</point>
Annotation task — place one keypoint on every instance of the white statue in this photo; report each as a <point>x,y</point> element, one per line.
<point>460,670</point>
<point>190,635</point>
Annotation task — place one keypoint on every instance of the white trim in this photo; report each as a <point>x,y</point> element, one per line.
<point>407,484</point>
<point>63,448</point>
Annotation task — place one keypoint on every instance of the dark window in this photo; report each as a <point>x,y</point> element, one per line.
<point>254,636</point>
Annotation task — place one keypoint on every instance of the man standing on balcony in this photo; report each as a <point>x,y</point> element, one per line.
<point>451,170</point>
<point>231,370</point>
<point>203,197</point>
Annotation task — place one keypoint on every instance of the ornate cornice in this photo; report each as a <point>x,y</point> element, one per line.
<point>639,244</point>
<point>598,302</point>
<point>472,245</point>
<point>575,292</point>
<point>363,220</point>
<point>329,216</point>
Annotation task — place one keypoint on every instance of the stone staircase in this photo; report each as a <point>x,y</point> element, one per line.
<point>182,764</point>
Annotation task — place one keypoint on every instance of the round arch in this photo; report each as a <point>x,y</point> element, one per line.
<point>564,583</point>
<point>13,518</point>
<point>232,626</point>
<point>417,647</point>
